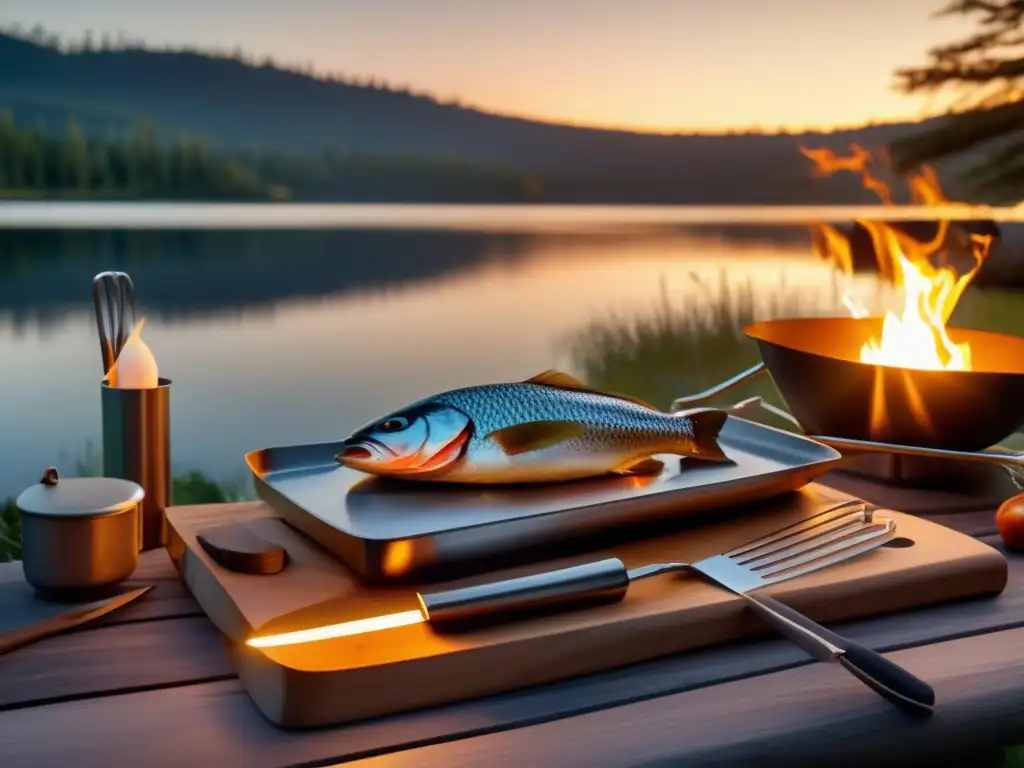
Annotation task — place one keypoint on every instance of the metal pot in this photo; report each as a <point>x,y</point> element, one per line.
<point>80,534</point>
<point>815,365</point>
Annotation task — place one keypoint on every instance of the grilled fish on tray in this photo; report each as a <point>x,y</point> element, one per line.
<point>549,428</point>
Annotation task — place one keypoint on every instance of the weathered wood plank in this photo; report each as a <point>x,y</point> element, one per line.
<point>102,661</point>
<point>19,604</point>
<point>807,716</point>
<point>971,511</point>
<point>194,653</point>
<point>811,715</point>
<point>226,726</point>
<point>174,652</point>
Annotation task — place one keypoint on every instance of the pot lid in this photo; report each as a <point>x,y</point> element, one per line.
<point>79,496</point>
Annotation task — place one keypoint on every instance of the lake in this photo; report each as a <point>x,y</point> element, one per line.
<point>292,335</point>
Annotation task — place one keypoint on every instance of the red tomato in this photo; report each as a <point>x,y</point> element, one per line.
<point>1010,522</point>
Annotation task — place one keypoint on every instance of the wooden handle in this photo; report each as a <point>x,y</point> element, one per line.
<point>61,622</point>
<point>870,667</point>
<point>16,638</point>
<point>600,581</point>
<point>237,548</point>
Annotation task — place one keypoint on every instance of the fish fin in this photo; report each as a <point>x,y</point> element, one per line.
<point>560,380</point>
<point>707,425</point>
<point>640,467</point>
<point>534,435</point>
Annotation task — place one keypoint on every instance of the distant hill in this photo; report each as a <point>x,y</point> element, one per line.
<point>241,106</point>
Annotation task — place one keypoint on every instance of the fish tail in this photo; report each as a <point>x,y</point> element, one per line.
<point>707,425</point>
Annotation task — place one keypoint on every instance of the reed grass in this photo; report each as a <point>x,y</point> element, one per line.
<point>675,349</point>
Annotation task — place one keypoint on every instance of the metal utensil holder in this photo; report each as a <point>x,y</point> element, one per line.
<point>1011,461</point>
<point>137,447</point>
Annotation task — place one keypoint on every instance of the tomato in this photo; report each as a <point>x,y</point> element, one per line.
<point>1010,522</point>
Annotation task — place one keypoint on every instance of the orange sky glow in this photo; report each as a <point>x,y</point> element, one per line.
<point>653,65</point>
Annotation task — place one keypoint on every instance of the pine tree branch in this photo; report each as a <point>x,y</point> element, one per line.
<point>994,53</point>
<point>956,134</point>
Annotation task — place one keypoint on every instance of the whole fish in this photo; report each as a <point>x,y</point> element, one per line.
<point>549,428</point>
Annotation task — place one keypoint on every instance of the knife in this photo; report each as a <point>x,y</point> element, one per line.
<point>80,614</point>
<point>872,669</point>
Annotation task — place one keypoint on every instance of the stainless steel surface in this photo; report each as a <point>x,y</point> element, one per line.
<point>822,541</point>
<point>389,529</point>
<point>970,478</point>
<point>815,645</point>
<point>757,402</point>
<point>137,447</point>
<point>73,617</point>
<point>114,304</point>
<point>682,403</point>
<point>1011,461</point>
<point>102,305</point>
<point>79,533</point>
<point>827,538</point>
<point>126,309</point>
<point>598,582</point>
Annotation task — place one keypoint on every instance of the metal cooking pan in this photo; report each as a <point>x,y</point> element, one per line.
<point>854,406</point>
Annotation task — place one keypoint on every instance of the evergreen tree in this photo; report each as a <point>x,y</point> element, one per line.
<point>985,70</point>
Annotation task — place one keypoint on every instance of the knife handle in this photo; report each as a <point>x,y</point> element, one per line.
<point>597,582</point>
<point>885,677</point>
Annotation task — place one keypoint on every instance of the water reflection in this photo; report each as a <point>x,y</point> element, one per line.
<point>276,338</point>
<point>44,275</point>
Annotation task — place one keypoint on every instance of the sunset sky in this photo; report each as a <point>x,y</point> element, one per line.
<point>665,65</point>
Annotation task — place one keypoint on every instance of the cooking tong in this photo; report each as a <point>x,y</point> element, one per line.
<point>114,301</point>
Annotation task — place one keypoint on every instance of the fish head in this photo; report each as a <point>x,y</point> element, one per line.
<point>425,438</point>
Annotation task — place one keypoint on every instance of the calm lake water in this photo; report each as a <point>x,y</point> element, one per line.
<point>301,335</point>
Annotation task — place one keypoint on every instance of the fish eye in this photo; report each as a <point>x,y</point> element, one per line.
<point>394,424</point>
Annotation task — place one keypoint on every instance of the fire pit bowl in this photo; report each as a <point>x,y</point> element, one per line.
<point>815,365</point>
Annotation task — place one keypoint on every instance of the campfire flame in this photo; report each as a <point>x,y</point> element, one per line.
<point>916,336</point>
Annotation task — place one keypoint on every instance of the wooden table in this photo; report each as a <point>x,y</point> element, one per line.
<point>152,686</point>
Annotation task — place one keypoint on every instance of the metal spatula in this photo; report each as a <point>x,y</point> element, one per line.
<point>830,537</point>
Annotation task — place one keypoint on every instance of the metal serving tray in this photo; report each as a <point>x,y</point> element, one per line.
<point>392,529</point>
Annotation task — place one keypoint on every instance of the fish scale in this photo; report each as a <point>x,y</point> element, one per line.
<point>547,429</point>
<point>497,406</point>
<point>618,431</point>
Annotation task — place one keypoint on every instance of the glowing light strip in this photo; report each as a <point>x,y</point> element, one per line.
<point>332,631</point>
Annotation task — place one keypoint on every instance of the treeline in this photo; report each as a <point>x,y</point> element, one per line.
<point>106,42</point>
<point>37,164</point>
<point>34,163</point>
<point>359,176</point>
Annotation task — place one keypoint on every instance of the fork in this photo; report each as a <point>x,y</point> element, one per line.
<point>827,538</point>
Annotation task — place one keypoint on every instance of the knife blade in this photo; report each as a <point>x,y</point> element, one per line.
<point>80,614</point>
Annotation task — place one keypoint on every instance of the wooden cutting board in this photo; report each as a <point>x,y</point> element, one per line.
<point>361,676</point>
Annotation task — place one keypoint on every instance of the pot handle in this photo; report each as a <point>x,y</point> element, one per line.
<point>1012,462</point>
<point>741,378</point>
<point>758,402</point>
